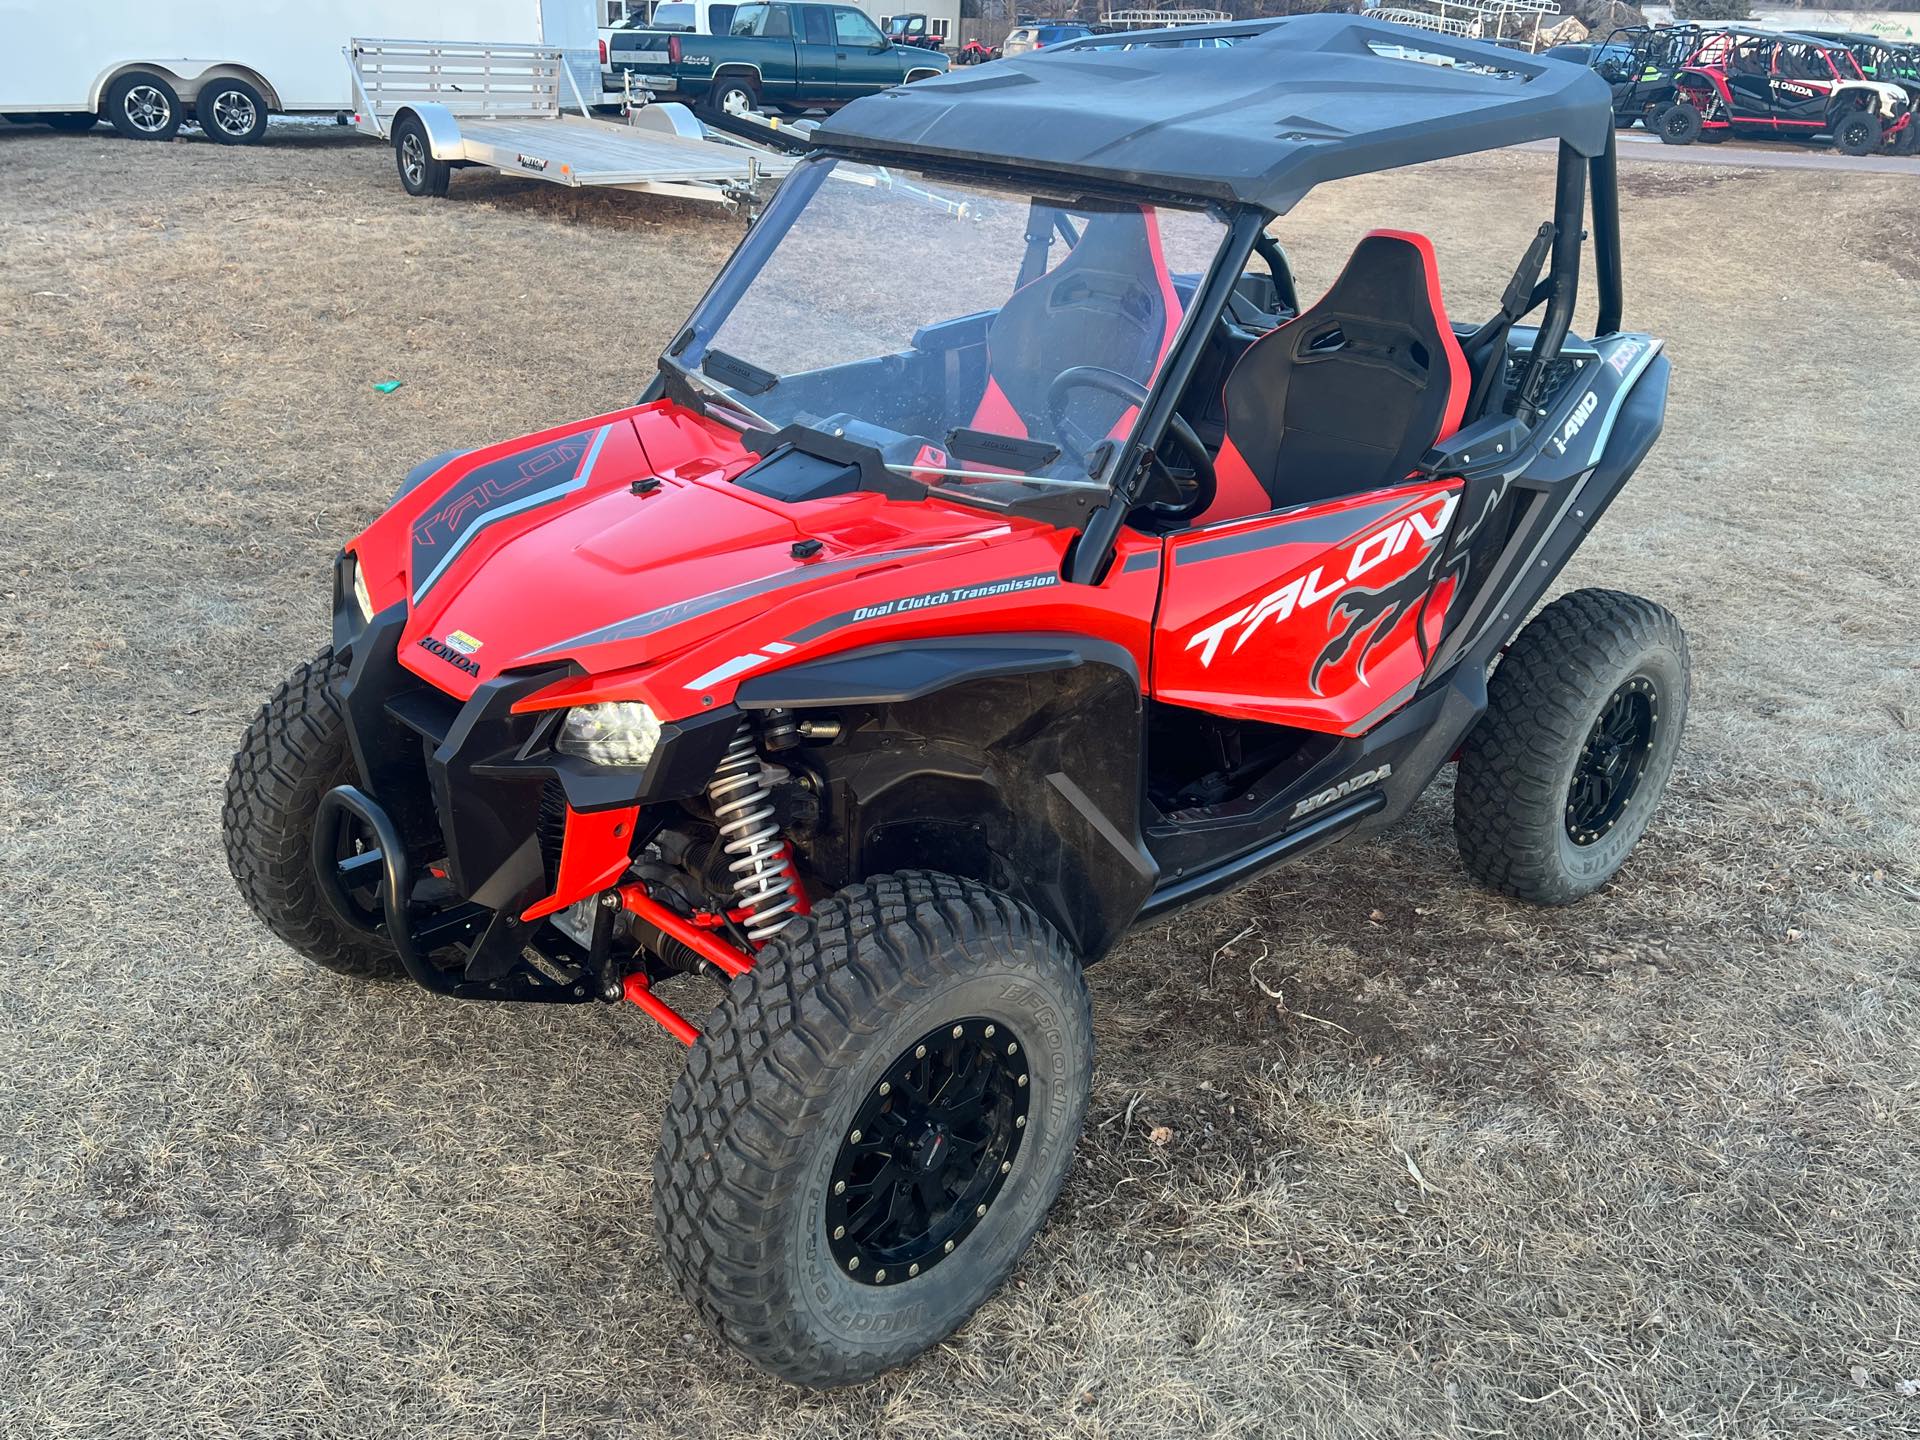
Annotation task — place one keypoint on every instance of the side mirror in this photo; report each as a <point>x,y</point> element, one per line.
<point>880,49</point>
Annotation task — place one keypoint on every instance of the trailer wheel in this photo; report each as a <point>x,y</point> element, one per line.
<point>420,173</point>
<point>732,95</point>
<point>231,112</point>
<point>1857,133</point>
<point>873,1125</point>
<point>143,106</point>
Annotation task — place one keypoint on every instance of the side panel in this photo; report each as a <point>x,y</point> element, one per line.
<point>1318,617</point>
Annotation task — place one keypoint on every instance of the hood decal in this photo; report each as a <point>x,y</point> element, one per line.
<point>495,491</point>
<point>648,621</point>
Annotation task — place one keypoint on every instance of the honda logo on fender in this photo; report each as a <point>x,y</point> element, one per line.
<point>1314,588</point>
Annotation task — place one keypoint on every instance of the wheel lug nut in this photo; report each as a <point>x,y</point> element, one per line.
<point>879,1274</point>
<point>839,1232</point>
<point>947,1249</point>
<point>1023,1082</point>
<point>978,1211</point>
<point>919,1052</point>
<point>958,1031</point>
<point>854,1263</point>
<point>854,1138</point>
<point>885,1088</point>
<point>912,1270</point>
<point>989,1032</point>
<point>1019,1122</point>
<point>1005,1166</point>
<point>1012,1049</point>
<point>839,1187</point>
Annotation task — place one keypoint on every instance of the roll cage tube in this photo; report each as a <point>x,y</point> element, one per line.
<point>1563,281</point>
<point>1094,549</point>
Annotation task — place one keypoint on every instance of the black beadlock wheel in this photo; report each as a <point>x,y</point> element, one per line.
<point>1679,124</point>
<point>873,1125</point>
<point>1857,133</point>
<point>293,753</point>
<point>1561,776</point>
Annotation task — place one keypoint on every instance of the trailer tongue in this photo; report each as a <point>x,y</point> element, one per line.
<point>445,105</point>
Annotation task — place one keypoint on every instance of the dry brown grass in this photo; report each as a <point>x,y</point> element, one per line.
<point>1644,1167</point>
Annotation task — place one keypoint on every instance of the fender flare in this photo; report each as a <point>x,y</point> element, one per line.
<point>441,125</point>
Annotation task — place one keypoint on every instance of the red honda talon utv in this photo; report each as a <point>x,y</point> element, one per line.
<point>892,656</point>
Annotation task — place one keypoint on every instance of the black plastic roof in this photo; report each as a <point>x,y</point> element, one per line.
<point>1291,104</point>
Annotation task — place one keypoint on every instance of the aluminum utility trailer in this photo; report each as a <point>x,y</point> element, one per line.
<point>443,103</point>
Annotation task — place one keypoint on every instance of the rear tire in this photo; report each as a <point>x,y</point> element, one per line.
<point>1857,133</point>
<point>231,112</point>
<point>1679,123</point>
<point>781,1101</point>
<point>1561,776</point>
<point>732,95</point>
<point>420,173</point>
<point>294,752</point>
<point>144,106</point>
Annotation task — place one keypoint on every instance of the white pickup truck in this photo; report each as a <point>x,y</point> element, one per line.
<point>684,17</point>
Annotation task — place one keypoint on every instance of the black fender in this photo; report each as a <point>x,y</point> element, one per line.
<point>1014,760</point>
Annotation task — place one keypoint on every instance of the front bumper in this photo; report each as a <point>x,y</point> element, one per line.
<point>515,830</point>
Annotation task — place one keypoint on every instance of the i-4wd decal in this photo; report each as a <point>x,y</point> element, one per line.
<point>1316,587</point>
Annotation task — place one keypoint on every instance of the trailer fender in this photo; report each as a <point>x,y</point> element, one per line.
<point>671,118</point>
<point>442,127</point>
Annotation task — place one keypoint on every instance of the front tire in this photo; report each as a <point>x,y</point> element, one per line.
<point>1857,133</point>
<point>144,106</point>
<point>1679,123</point>
<point>1561,776</point>
<point>294,752</point>
<point>231,112</point>
<point>821,1204</point>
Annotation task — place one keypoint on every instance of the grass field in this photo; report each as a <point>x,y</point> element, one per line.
<point>1642,1167</point>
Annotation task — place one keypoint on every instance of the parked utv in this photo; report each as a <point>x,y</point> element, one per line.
<point>1760,84</point>
<point>899,650</point>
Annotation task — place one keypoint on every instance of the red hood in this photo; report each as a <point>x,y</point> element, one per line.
<point>539,550</point>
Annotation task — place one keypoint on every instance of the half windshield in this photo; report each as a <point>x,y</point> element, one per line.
<point>991,340</point>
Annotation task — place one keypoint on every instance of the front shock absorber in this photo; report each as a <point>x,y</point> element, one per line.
<point>761,871</point>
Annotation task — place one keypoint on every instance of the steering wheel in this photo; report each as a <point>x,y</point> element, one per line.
<point>1203,481</point>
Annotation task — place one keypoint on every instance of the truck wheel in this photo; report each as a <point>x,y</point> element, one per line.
<point>873,1126</point>
<point>1561,775</point>
<point>1679,123</point>
<point>420,173</point>
<point>1857,133</point>
<point>143,106</point>
<point>76,122</point>
<point>732,95</point>
<point>294,752</point>
<point>231,112</point>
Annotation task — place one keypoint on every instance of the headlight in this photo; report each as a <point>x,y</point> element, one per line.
<point>619,732</point>
<point>361,596</point>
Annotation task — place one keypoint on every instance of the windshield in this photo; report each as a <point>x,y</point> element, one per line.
<point>982,338</point>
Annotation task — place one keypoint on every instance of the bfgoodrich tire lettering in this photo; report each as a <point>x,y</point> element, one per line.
<point>757,1118</point>
<point>294,752</point>
<point>1511,798</point>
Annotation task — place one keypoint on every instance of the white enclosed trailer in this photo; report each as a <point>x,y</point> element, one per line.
<point>146,66</point>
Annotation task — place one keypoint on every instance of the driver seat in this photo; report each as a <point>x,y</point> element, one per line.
<point>1110,302</point>
<point>1347,396</point>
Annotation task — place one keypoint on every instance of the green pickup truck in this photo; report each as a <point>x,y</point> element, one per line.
<point>789,54</point>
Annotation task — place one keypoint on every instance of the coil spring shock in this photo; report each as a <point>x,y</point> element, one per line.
<point>761,874</point>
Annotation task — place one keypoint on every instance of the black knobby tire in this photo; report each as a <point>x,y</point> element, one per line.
<point>144,106</point>
<point>1592,656</point>
<point>420,173</point>
<point>231,112</point>
<point>1857,132</point>
<point>1679,123</point>
<point>1908,139</point>
<point>757,1121</point>
<point>727,90</point>
<point>294,752</point>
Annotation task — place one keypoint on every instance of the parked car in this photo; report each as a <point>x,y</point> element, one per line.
<point>785,53</point>
<point>148,69</point>
<point>685,17</point>
<point>1758,82</point>
<point>1037,37</point>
